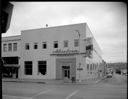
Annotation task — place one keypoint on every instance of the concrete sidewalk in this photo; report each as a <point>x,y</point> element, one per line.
<point>48,81</point>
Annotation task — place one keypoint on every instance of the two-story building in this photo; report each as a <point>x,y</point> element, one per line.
<point>56,52</point>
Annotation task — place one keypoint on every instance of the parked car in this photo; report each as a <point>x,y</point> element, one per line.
<point>109,75</point>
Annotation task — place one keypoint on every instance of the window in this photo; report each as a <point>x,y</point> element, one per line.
<point>44,45</point>
<point>10,47</point>
<point>89,47</point>
<point>35,45</point>
<point>28,67</point>
<point>90,66</point>
<point>76,42</point>
<point>42,67</point>
<point>87,66</point>
<point>14,46</point>
<point>93,67</point>
<point>66,43</point>
<point>5,47</point>
<point>27,46</point>
<point>55,44</point>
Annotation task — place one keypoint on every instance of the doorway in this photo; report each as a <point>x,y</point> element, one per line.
<point>66,72</point>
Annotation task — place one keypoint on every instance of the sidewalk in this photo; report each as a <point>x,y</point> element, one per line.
<point>48,81</point>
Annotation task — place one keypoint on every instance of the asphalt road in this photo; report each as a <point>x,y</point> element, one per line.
<point>111,88</point>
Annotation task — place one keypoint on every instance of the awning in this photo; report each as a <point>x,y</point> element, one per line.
<point>11,65</point>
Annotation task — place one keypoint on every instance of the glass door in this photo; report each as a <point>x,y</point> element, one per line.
<point>66,71</point>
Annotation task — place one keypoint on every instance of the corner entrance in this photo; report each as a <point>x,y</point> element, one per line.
<point>65,68</point>
<point>66,71</point>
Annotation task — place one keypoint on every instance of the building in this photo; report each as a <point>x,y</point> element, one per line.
<point>55,53</point>
<point>11,55</point>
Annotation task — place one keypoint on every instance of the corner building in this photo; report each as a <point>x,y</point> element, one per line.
<point>60,52</point>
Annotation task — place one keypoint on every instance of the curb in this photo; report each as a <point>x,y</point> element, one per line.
<point>57,83</point>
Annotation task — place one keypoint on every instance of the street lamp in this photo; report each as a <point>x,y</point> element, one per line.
<point>79,55</point>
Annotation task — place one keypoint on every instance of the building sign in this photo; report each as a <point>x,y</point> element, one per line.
<point>79,69</point>
<point>64,52</point>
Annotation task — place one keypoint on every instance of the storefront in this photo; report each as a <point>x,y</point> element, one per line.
<point>10,67</point>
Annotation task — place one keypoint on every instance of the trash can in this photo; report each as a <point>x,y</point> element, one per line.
<point>73,80</point>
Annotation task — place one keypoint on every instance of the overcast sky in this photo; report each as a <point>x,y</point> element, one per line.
<point>106,20</point>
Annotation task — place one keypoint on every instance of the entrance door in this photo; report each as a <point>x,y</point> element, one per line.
<point>66,71</point>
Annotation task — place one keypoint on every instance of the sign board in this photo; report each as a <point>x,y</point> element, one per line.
<point>79,69</point>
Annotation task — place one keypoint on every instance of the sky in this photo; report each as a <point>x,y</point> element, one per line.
<point>106,20</point>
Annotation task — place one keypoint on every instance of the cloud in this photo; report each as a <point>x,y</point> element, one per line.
<point>106,20</point>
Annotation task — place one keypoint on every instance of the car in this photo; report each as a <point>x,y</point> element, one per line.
<point>109,75</point>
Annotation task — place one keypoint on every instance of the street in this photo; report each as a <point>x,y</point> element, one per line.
<point>110,88</point>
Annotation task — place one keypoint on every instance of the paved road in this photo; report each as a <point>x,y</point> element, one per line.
<point>112,88</point>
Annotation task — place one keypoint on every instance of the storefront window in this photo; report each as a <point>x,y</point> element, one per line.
<point>42,67</point>
<point>28,67</point>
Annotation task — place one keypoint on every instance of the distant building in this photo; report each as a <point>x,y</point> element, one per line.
<point>54,53</point>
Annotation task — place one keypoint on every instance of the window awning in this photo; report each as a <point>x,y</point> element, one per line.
<point>11,65</point>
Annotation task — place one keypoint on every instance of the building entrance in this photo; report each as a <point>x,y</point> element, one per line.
<point>65,68</point>
<point>66,71</point>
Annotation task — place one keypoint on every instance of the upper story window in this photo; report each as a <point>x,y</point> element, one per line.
<point>87,66</point>
<point>10,47</point>
<point>14,46</point>
<point>4,47</point>
<point>55,44</point>
<point>35,45</point>
<point>76,42</point>
<point>89,47</point>
<point>27,47</point>
<point>66,43</point>
<point>44,45</point>
<point>91,67</point>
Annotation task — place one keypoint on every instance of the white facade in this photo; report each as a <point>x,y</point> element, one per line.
<point>63,60</point>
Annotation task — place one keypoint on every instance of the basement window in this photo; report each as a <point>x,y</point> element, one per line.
<point>42,67</point>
